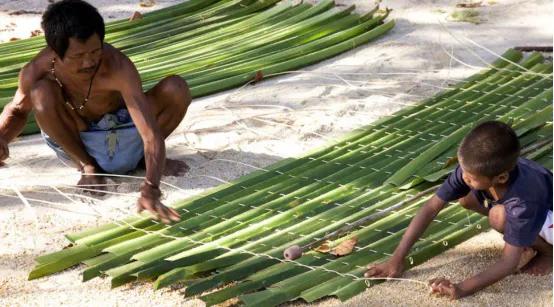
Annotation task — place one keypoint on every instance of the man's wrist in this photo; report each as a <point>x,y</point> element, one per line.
<point>151,184</point>
<point>149,190</point>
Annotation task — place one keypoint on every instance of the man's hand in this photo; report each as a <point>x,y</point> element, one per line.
<point>443,287</point>
<point>4,150</point>
<point>91,181</point>
<point>385,269</point>
<point>150,201</point>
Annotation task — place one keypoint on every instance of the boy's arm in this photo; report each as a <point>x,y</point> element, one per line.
<point>502,268</point>
<point>395,265</point>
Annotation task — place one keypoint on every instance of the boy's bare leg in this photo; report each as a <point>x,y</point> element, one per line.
<point>171,99</point>
<point>541,264</point>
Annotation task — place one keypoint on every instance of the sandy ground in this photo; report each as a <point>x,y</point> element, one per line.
<point>257,126</point>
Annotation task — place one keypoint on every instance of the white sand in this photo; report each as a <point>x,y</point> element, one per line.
<point>259,125</point>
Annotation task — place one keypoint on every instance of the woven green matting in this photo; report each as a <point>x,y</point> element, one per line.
<point>235,234</point>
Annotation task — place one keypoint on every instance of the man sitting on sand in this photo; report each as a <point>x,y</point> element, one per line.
<point>515,194</point>
<point>88,102</point>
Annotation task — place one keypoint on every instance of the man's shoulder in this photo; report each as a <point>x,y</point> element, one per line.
<point>116,59</point>
<point>36,68</point>
<point>40,63</point>
<point>117,69</point>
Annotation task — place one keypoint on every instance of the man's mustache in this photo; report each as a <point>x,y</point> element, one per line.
<point>88,70</point>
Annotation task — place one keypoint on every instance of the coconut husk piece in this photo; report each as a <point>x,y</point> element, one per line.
<point>345,247</point>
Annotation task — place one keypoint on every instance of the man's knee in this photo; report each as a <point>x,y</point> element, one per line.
<point>497,218</point>
<point>44,96</point>
<point>178,88</point>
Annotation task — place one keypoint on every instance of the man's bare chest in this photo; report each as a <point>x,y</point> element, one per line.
<point>90,102</point>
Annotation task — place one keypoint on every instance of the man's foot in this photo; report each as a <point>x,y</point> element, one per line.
<point>541,264</point>
<point>175,167</point>
<point>93,184</point>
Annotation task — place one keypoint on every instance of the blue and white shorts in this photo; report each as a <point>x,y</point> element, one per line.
<point>113,142</point>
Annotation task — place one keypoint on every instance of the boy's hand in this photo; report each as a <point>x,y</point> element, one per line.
<point>385,269</point>
<point>443,286</point>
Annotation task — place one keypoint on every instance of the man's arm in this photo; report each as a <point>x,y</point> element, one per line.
<point>142,114</point>
<point>14,116</point>
<point>395,265</point>
<point>505,266</point>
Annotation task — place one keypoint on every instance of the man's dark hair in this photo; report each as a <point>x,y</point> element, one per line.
<point>489,149</point>
<point>70,18</point>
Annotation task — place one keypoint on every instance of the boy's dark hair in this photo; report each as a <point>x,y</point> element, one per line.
<point>70,18</point>
<point>489,149</point>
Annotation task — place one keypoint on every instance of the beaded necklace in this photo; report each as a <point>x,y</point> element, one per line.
<point>65,97</point>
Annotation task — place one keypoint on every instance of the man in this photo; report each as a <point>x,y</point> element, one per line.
<point>88,102</point>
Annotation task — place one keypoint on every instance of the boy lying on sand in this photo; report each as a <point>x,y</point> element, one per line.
<point>491,179</point>
<point>88,101</point>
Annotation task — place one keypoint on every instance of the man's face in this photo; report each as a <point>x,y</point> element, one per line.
<point>83,57</point>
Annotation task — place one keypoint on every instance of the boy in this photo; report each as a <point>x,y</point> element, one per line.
<point>516,195</point>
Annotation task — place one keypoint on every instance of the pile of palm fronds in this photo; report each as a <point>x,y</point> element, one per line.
<point>235,235</point>
<point>216,45</point>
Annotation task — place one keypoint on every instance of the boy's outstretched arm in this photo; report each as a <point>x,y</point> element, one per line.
<point>502,268</point>
<point>395,265</point>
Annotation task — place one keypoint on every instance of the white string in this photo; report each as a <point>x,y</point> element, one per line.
<point>526,71</point>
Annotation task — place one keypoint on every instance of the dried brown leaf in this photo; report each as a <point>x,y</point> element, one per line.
<point>24,12</point>
<point>324,247</point>
<point>345,247</point>
<point>259,76</point>
<point>467,5</point>
<point>36,33</point>
<point>147,3</point>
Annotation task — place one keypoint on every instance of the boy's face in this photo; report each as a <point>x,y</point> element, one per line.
<point>475,181</point>
<point>480,182</point>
